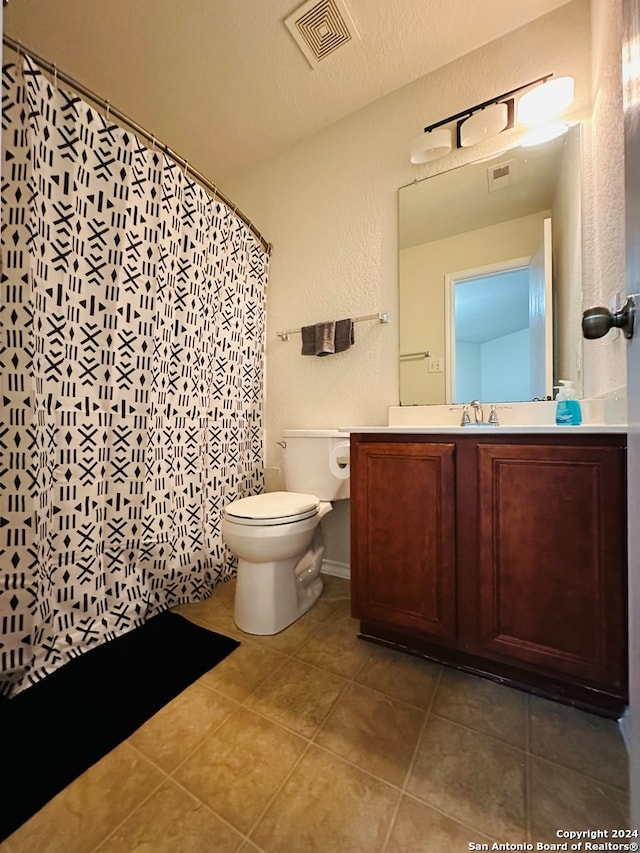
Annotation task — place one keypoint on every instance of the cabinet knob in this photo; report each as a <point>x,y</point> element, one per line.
<point>596,322</point>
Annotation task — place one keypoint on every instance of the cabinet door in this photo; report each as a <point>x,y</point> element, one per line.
<point>403,538</point>
<point>552,558</point>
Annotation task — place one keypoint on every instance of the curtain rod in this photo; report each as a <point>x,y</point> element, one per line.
<point>58,75</point>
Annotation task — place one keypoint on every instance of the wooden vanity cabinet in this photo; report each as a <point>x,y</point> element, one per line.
<point>502,555</point>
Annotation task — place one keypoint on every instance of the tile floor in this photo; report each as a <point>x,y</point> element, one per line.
<point>313,740</point>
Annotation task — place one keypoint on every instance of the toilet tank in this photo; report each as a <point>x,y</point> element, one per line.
<point>316,462</point>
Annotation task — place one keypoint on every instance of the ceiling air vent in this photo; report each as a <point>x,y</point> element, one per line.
<point>320,27</point>
<point>499,176</point>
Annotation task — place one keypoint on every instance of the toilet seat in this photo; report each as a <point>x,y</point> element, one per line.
<point>272,508</point>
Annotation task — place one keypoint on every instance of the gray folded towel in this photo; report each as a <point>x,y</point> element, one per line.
<point>344,335</point>
<point>308,340</point>
<point>325,338</point>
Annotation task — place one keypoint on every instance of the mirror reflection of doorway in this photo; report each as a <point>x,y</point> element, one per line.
<point>492,338</point>
<point>499,330</point>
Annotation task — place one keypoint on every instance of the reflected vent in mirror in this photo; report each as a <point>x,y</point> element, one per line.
<point>320,27</point>
<point>499,176</point>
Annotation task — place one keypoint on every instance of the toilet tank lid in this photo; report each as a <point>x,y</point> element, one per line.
<point>273,505</point>
<point>315,433</point>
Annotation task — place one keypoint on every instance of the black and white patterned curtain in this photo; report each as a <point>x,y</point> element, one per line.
<point>131,370</point>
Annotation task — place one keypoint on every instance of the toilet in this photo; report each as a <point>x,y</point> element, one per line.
<point>277,536</point>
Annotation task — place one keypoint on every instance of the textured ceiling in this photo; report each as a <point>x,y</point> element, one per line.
<point>223,83</point>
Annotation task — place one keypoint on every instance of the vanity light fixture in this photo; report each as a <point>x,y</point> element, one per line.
<point>545,99</point>
<point>546,102</point>
<point>431,145</point>
<point>485,124</point>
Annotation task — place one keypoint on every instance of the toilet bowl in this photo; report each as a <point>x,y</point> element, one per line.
<point>277,536</point>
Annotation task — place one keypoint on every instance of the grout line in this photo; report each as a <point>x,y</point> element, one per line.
<point>527,768</point>
<point>597,780</point>
<point>171,778</point>
<point>142,802</point>
<point>480,732</point>
<point>277,791</point>
<point>416,749</point>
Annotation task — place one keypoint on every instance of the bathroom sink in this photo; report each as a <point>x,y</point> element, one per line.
<point>480,425</point>
<point>536,414</point>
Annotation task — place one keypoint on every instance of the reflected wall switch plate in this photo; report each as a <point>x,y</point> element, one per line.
<point>435,365</point>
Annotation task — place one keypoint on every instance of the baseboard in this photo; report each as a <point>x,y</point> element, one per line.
<point>338,570</point>
<point>623,724</point>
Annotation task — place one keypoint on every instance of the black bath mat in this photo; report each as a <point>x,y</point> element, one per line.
<point>52,732</point>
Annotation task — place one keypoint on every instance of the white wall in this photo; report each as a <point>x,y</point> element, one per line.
<point>468,382</point>
<point>603,199</point>
<point>329,206</point>
<point>504,362</point>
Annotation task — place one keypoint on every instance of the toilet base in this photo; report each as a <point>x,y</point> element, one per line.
<point>271,596</point>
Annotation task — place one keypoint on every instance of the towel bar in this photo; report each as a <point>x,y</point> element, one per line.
<point>383,317</point>
<point>416,355</point>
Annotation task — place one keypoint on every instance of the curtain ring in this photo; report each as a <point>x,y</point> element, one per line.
<point>55,76</point>
<point>153,142</point>
<point>186,168</point>
<point>107,107</point>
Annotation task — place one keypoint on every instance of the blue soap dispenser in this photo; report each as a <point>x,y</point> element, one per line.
<point>568,410</point>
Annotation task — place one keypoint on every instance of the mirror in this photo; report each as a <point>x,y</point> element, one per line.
<point>490,277</point>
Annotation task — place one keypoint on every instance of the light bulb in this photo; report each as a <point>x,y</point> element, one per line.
<point>545,101</point>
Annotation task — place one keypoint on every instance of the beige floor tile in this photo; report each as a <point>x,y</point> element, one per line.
<point>341,616</point>
<point>220,602</point>
<point>335,593</point>
<point>327,806</point>
<point>373,731</point>
<point>287,641</point>
<point>240,766</point>
<point>583,742</point>
<point>336,589</point>
<point>401,676</point>
<point>171,734</point>
<point>87,810</point>
<point>472,778</point>
<point>297,696</point>
<point>336,650</point>
<point>241,672</point>
<point>420,829</point>
<point>172,820</point>
<point>221,622</point>
<point>467,783</point>
<point>563,799</point>
<point>483,705</point>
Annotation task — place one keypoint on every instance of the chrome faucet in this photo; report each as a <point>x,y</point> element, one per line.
<point>478,413</point>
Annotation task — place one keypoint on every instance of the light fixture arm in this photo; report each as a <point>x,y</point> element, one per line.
<point>471,110</point>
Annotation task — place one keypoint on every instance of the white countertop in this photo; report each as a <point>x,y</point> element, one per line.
<point>537,429</point>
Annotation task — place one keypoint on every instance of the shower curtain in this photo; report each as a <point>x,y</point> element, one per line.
<point>131,371</point>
